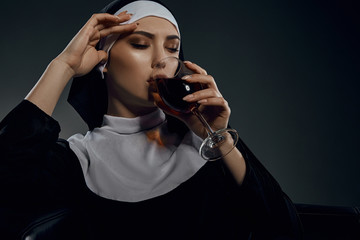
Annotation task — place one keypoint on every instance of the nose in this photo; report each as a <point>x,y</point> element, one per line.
<point>167,67</point>
<point>160,64</point>
<point>159,53</point>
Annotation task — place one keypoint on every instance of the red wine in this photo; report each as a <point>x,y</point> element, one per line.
<point>172,91</point>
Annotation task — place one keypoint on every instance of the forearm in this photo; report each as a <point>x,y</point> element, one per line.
<point>235,162</point>
<point>46,93</point>
<point>273,213</point>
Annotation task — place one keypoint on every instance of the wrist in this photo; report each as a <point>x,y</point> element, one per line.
<point>60,66</point>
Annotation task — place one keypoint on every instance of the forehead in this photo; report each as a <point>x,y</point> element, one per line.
<point>156,25</point>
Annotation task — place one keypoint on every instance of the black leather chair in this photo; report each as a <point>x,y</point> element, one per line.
<point>319,222</point>
<point>329,222</point>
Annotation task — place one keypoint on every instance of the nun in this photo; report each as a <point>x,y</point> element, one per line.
<point>137,172</point>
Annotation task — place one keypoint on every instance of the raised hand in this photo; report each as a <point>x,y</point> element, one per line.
<point>78,58</point>
<point>212,106</point>
<point>81,55</point>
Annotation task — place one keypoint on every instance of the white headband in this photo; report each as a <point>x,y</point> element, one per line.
<point>139,9</point>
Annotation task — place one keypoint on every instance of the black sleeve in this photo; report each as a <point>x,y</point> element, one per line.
<point>35,167</point>
<point>271,213</point>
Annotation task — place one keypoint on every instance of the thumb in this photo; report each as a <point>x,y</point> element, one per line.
<point>102,56</point>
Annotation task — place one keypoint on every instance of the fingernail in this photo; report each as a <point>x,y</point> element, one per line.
<point>187,61</point>
<point>202,101</point>
<point>186,77</point>
<point>188,97</point>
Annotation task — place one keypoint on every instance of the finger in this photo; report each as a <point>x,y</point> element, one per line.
<point>118,29</point>
<point>215,101</point>
<point>206,80</point>
<point>101,24</point>
<point>99,21</point>
<point>220,104</point>
<point>102,56</point>
<point>103,18</point>
<point>202,94</point>
<point>123,13</point>
<point>195,67</point>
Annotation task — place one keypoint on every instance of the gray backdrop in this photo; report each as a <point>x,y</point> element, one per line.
<point>289,69</point>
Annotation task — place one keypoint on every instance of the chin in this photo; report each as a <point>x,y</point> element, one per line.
<point>145,102</point>
<point>151,104</point>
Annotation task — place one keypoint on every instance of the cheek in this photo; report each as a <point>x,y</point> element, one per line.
<point>128,72</point>
<point>129,66</point>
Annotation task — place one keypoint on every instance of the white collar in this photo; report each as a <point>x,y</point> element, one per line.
<point>136,159</point>
<point>123,125</point>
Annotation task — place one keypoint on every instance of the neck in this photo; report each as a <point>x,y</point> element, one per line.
<point>119,109</point>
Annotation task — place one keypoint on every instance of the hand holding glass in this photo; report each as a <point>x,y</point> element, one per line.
<point>167,74</point>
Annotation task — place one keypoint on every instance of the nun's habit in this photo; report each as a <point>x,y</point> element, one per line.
<point>167,192</point>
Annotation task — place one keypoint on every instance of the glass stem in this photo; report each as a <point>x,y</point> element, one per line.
<point>208,129</point>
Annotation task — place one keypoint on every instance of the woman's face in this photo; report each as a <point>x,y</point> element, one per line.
<point>132,57</point>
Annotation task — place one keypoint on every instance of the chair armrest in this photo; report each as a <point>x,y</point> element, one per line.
<point>319,223</point>
<point>46,224</point>
<point>329,222</point>
<point>58,224</point>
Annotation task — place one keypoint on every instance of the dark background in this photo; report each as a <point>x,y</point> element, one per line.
<point>289,69</point>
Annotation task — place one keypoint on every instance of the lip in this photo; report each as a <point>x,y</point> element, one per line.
<point>158,76</point>
<point>152,85</point>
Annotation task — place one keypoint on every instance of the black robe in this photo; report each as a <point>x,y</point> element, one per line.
<point>39,172</point>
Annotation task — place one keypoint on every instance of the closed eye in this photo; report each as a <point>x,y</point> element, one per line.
<point>139,46</point>
<point>173,50</point>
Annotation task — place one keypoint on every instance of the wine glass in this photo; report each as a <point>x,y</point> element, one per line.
<point>167,75</point>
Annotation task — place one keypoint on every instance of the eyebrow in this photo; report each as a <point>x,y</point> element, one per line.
<point>151,36</point>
